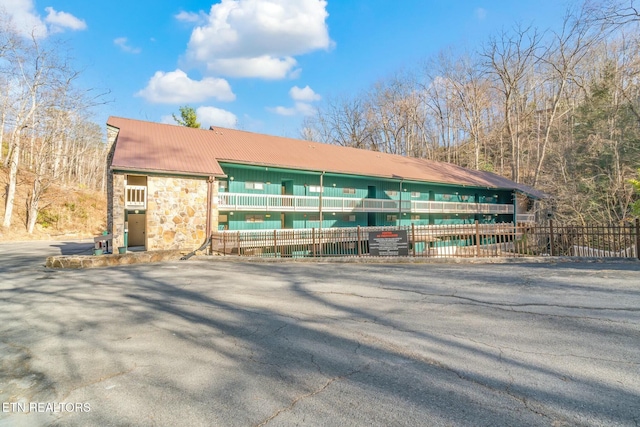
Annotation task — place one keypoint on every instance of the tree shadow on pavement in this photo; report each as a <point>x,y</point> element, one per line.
<point>203,343</point>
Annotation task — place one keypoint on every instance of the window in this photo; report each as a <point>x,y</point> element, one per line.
<point>349,218</point>
<point>349,190</point>
<point>446,197</point>
<point>223,185</point>
<point>415,194</point>
<point>254,218</point>
<point>392,218</point>
<point>391,192</point>
<point>313,218</point>
<point>415,217</point>
<point>223,218</point>
<point>315,189</point>
<point>254,185</point>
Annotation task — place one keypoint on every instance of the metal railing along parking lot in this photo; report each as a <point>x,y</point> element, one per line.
<point>460,240</point>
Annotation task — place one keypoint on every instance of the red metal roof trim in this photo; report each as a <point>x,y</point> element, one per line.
<point>163,147</point>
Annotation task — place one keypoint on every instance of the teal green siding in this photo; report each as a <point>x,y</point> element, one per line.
<point>300,183</point>
<point>241,221</point>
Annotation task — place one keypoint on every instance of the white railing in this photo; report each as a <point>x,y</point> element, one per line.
<point>287,203</point>
<point>135,197</point>
<point>528,217</point>
<point>453,207</point>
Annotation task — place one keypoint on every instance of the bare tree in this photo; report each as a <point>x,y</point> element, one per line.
<point>44,114</point>
<point>511,58</point>
<point>342,121</point>
<point>561,59</point>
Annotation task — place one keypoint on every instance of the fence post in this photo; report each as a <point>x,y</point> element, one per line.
<point>224,244</point>
<point>551,237</point>
<point>359,248</point>
<point>638,237</point>
<point>239,253</point>
<point>313,240</point>
<point>477,238</point>
<point>413,238</point>
<point>275,244</point>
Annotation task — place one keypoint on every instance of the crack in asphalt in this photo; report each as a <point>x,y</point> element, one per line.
<point>311,394</point>
<point>441,365</point>
<point>516,350</point>
<point>99,380</point>
<point>506,304</point>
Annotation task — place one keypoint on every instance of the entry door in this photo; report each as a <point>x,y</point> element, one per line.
<point>287,190</point>
<point>137,226</point>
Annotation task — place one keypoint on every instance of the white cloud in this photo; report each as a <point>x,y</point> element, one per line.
<point>28,22</point>
<point>258,38</point>
<point>305,108</point>
<point>304,94</point>
<point>199,18</point>
<point>264,66</point>
<point>168,120</point>
<point>212,116</point>
<point>481,13</point>
<point>303,98</point>
<point>24,17</point>
<point>283,111</point>
<point>175,87</point>
<point>61,20</point>
<point>124,45</point>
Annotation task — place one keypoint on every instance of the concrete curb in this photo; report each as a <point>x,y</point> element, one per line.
<point>420,260</point>
<point>93,261</point>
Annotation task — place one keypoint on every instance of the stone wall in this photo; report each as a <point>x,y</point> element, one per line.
<point>176,213</point>
<point>115,220</point>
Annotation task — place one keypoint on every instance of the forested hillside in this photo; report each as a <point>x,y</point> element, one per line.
<point>47,141</point>
<point>557,108</point>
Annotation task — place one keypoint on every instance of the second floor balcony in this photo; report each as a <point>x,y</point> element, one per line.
<point>288,203</point>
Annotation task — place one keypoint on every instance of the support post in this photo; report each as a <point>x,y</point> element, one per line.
<point>413,239</point>
<point>275,243</point>
<point>313,240</point>
<point>477,239</point>
<point>638,237</point>
<point>551,237</point>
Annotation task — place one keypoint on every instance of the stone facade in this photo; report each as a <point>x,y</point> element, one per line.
<point>115,214</point>
<point>176,213</point>
<point>115,194</point>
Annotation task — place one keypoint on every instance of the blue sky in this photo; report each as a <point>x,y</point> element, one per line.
<point>257,65</point>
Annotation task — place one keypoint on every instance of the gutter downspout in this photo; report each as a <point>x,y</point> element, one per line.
<point>209,205</point>
<point>320,210</point>
<point>400,206</point>
<point>207,241</point>
<point>321,191</point>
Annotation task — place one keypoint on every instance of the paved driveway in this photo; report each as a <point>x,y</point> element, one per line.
<point>203,343</point>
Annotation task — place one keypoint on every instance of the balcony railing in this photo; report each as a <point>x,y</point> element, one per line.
<point>287,203</point>
<point>527,217</point>
<point>135,197</point>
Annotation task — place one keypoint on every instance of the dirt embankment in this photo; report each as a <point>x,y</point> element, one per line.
<point>65,211</point>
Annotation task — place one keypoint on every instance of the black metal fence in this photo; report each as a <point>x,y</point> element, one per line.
<point>461,240</point>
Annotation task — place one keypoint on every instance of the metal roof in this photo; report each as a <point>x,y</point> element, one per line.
<point>148,146</point>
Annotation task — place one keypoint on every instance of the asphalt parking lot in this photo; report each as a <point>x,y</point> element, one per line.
<point>204,343</point>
